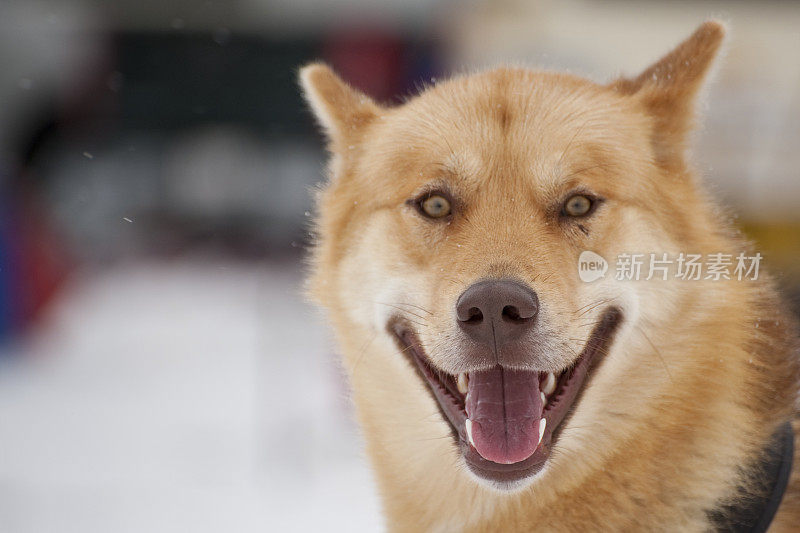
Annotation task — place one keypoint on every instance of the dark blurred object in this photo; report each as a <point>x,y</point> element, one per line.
<point>176,81</point>
<point>198,139</point>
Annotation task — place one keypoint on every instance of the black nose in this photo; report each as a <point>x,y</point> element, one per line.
<point>497,311</point>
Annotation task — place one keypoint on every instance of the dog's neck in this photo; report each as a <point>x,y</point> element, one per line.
<point>754,515</point>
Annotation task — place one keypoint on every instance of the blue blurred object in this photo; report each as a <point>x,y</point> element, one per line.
<point>6,270</point>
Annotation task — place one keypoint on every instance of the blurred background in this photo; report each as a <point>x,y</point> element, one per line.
<point>159,369</point>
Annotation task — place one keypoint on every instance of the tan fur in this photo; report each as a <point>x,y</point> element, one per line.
<point>697,380</point>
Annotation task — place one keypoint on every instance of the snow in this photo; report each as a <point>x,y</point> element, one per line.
<point>183,396</point>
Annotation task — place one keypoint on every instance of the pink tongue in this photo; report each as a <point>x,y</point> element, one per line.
<point>505,408</point>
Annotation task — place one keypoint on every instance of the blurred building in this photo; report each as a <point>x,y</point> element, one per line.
<point>148,128</point>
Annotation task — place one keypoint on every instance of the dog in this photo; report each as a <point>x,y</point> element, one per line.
<point>496,389</point>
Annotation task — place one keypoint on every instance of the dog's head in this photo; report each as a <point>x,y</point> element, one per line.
<point>454,226</point>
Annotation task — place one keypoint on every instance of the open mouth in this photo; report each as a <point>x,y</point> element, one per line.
<point>506,420</point>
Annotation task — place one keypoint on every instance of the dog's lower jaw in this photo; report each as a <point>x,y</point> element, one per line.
<point>503,487</point>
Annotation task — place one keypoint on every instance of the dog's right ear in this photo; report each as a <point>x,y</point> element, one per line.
<point>668,89</point>
<point>342,111</point>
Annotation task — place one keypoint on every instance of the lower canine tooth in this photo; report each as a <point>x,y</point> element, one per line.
<point>468,425</point>
<point>549,384</point>
<point>463,383</point>
<point>542,424</point>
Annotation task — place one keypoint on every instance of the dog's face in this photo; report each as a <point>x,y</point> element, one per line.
<point>453,226</point>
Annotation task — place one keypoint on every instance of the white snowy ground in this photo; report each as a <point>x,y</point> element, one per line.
<point>185,396</point>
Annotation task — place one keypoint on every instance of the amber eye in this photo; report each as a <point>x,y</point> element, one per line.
<point>577,205</point>
<point>435,206</point>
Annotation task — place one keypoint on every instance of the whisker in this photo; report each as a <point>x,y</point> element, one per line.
<point>601,165</point>
<point>569,144</point>
<point>591,323</point>
<point>363,352</point>
<point>595,305</point>
<point>403,310</point>
<point>578,310</point>
<point>448,436</point>
<point>658,353</point>
<point>417,306</point>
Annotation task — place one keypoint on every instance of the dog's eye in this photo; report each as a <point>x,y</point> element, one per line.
<point>435,206</point>
<point>577,205</point>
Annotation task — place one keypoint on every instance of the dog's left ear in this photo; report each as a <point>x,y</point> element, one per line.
<point>343,111</point>
<point>668,89</point>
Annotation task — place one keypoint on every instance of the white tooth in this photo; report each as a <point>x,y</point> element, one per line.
<point>542,424</point>
<point>468,425</point>
<point>463,382</point>
<point>549,384</point>
<point>544,399</point>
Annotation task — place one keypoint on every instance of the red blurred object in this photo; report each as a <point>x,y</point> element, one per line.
<point>39,263</point>
<point>371,60</point>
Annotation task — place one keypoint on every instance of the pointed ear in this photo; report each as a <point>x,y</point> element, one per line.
<point>342,111</point>
<point>668,89</point>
